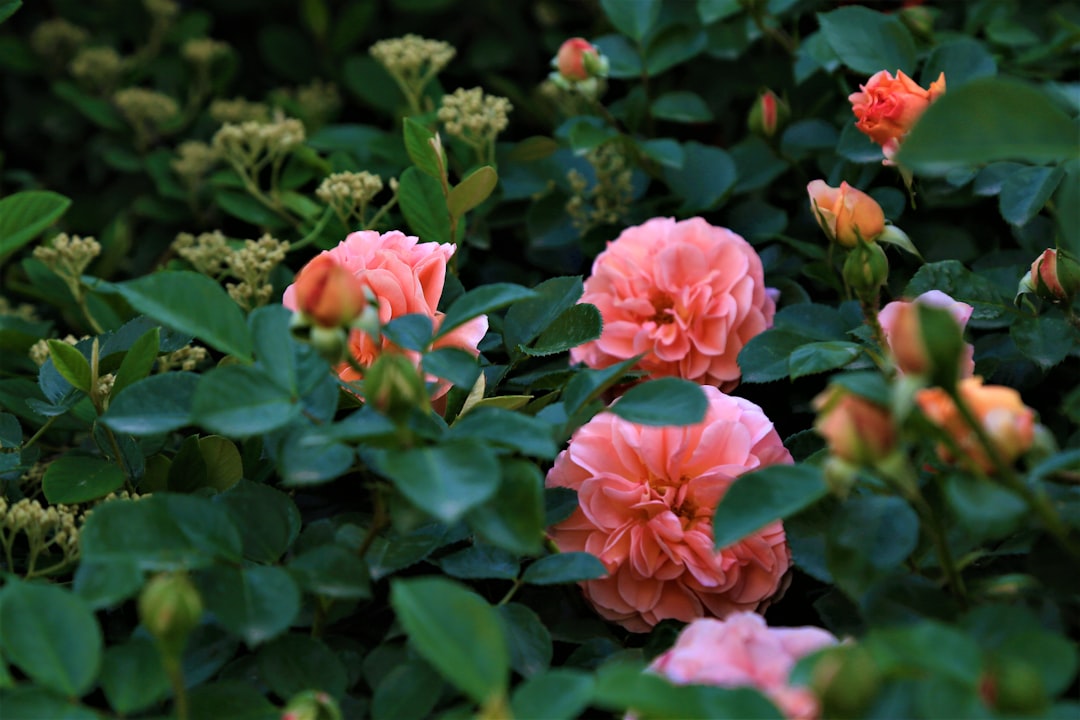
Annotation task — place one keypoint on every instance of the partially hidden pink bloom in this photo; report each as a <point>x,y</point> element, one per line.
<point>742,651</point>
<point>646,501</point>
<point>899,320</point>
<point>406,276</point>
<point>688,294</point>
<point>886,108</point>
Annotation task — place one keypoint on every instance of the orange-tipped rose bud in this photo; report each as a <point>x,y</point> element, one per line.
<point>887,108</point>
<point>768,114</point>
<point>311,705</point>
<point>1009,423</point>
<point>1055,276</point>
<point>856,429</point>
<point>903,332</point>
<point>328,294</point>
<point>846,214</point>
<point>578,60</point>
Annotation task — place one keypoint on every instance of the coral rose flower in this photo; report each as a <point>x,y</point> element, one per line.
<point>406,277</point>
<point>646,501</point>
<point>742,651</point>
<point>900,321</point>
<point>687,294</point>
<point>887,107</point>
<point>1008,422</point>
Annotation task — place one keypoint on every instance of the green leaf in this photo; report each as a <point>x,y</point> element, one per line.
<point>821,357</point>
<point>472,191</point>
<point>189,302</point>
<point>396,696</point>
<point>258,602</point>
<point>8,8</point>
<point>453,364</point>
<point>1026,191</point>
<point>633,18</point>
<point>870,536</point>
<point>812,320</point>
<point>243,206</point>
<point>97,110</point>
<point>234,700</point>
<point>424,207</point>
<point>268,519</point>
<point>331,571</point>
<point>77,478</point>
<point>710,11</point>
<point>51,635</point>
<point>157,404</point>
<point>165,531</point>
<point>295,663</point>
<point>445,480</point>
<point>564,568</point>
<point>132,676</point>
<point>103,585</point>
<point>24,215</point>
<point>30,701</point>
<point>558,694</point>
<point>513,519</point>
<point>986,510</point>
<point>224,466</point>
<point>456,631</point>
<point>138,361</point>
<point>479,301</point>
<point>527,318</point>
<point>986,120</point>
<point>528,639</point>
<point>704,179</point>
<point>1045,339</point>
<point>412,331</point>
<point>587,385</point>
<point>524,433</point>
<point>666,401</point>
<point>71,364</point>
<point>758,498</point>
<point>665,151</point>
<point>962,60</point>
<point>577,325</point>
<point>421,149</point>
<point>673,46</point>
<point>991,307</point>
<point>480,561</point>
<point>240,400</point>
<point>766,357</point>
<point>868,41</point>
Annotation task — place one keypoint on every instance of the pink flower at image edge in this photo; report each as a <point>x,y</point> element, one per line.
<point>894,323</point>
<point>646,499</point>
<point>406,277</point>
<point>742,651</point>
<point>688,294</point>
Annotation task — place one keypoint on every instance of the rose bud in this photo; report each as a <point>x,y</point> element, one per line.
<point>311,705</point>
<point>768,114</point>
<point>1008,423</point>
<point>855,429</point>
<point>887,108</point>
<point>170,608</point>
<point>578,60</point>
<point>866,269</point>
<point>845,214</point>
<point>907,343</point>
<point>328,294</point>
<point>395,387</point>
<point>1054,276</point>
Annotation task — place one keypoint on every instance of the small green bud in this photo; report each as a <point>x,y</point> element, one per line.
<point>311,705</point>
<point>170,608</point>
<point>866,268</point>
<point>395,387</point>
<point>847,680</point>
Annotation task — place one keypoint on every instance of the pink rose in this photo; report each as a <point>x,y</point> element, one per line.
<point>646,501</point>
<point>742,651</point>
<point>900,321</point>
<point>687,294</point>
<point>406,277</point>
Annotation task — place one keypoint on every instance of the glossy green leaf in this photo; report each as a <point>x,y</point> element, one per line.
<point>456,631</point>
<point>577,325</point>
<point>268,519</point>
<point>523,433</point>
<point>564,568</point>
<point>481,561</point>
<point>445,480</point>
<point>986,120</point>
<point>331,571</point>
<point>37,703</point>
<point>453,364</point>
<point>411,332</point>
<point>77,478</point>
<point>419,144</point>
<point>104,584</point>
<point>868,41</point>
<point>8,8</point>
<point>24,215</point>
<point>665,151</point>
<point>71,364</point>
<point>258,602</point>
<point>396,697</point>
<point>704,179</point>
<point>632,18</point>
<point>295,663</point>
<point>138,361</point>
<point>991,307</point>
<point>230,699</point>
<point>192,303</point>
<point>819,357</point>
<point>51,635</point>
<point>662,402</point>
<point>870,536</point>
<point>558,694</point>
<point>1026,191</point>
<point>527,637</point>
<point>513,519</point>
<point>424,206</point>
<point>481,300</point>
<point>760,497</point>
<point>132,676</point>
<point>527,318</point>
<point>471,191</point>
<point>673,46</point>
<point>157,404</point>
<point>240,400</point>
<point>1045,339</point>
<point>962,60</point>
<point>681,106</point>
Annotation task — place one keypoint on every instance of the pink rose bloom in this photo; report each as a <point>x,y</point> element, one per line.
<point>901,330</point>
<point>646,501</point>
<point>742,651</point>
<point>687,294</point>
<point>406,277</point>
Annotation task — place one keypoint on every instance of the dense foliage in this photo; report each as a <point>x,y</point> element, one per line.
<point>470,474</point>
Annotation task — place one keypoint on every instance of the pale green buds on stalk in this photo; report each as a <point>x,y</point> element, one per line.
<point>394,386</point>
<point>311,705</point>
<point>170,608</point>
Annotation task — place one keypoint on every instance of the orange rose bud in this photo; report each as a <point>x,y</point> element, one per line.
<point>1009,423</point>
<point>845,214</point>
<point>328,294</point>
<point>856,429</point>
<point>574,62</point>
<point>886,108</point>
<point>1055,276</point>
<point>768,114</point>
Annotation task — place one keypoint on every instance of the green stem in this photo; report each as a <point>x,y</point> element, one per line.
<point>374,222</point>
<point>176,678</point>
<point>315,232</point>
<point>511,592</point>
<point>41,431</point>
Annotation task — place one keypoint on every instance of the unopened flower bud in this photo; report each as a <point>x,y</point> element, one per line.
<point>845,214</point>
<point>768,115</point>
<point>395,387</point>
<point>311,705</point>
<point>1014,687</point>
<point>855,429</point>
<point>330,342</point>
<point>866,268</point>
<point>847,680</point>
<point>1055,276</point>
<point>919,20</point>
<point>578,60</point>
<point>170,608</point>
<point>328,293</point>
<point>900,320</point>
